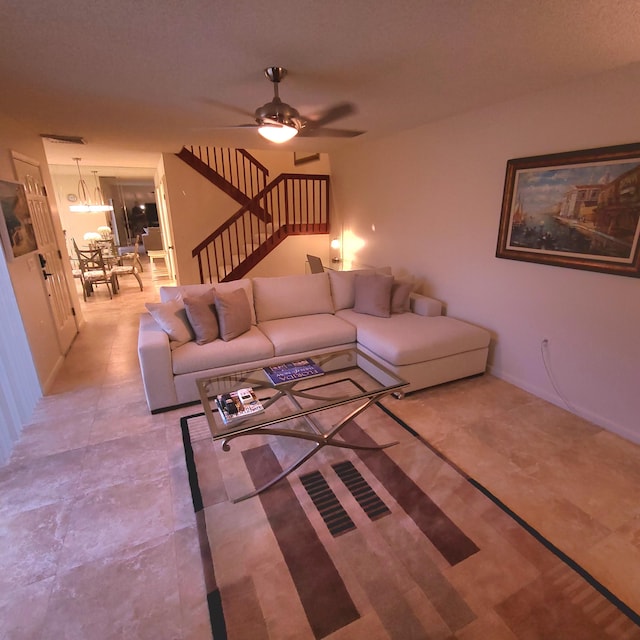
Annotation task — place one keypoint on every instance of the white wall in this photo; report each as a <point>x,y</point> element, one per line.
<point>434,196</point>
<point>290,256</point>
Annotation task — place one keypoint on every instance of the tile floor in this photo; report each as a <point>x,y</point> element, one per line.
<point>97,532</point>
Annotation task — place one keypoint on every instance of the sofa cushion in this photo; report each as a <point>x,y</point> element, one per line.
<point>172,319</point>
<point>343,285</point>
<point>234,313</point>
<point>304,333</point>
<point>291,296</point>
<point>178,292</point>
<point>400,296</point>
<point>373,294</point>
<point>250,346</point>
<point>407,338</point>
<point>201,313</point>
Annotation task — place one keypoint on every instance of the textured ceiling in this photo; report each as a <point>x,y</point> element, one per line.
<point>138,78</point>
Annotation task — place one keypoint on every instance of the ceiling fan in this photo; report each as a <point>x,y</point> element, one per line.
<point>278,121</point>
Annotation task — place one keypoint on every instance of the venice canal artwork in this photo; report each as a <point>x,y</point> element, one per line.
<point>588,209</point>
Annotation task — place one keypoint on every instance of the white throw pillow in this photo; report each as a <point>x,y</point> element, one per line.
<point>172,319</point>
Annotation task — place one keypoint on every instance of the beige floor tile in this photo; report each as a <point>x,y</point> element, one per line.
<point>31,544</point>
<point>97,530</point>
<point>131,595</point>
<point>23,610</point>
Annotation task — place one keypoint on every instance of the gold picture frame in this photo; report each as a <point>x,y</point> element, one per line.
<point>577,209</point>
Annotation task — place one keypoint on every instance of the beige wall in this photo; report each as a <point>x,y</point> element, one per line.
<point>25,272</point>
<point>29,351</point>
<point>197,208</point>
<point>434,195</point>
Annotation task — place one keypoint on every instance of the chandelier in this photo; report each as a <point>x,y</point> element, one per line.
<point>87,206</point>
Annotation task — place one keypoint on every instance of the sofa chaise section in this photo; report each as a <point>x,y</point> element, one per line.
<point>424,350</point>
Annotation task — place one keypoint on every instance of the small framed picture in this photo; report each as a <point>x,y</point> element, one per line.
<point>16,228</point>
<point>302,157</point>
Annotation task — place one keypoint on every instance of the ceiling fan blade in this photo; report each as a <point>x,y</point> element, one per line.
<point>229,107</point>
<point>332,114</point>
<point>323,132</point>
<point>228,126</point>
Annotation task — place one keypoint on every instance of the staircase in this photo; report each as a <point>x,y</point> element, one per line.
<point>292,204</point>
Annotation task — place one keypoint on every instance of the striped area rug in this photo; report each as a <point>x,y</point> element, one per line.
<point>375,545</point>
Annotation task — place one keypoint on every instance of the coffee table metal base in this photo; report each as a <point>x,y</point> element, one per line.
<point>320,439</point>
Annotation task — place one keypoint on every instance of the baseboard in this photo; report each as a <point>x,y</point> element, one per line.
<point>544,394</point>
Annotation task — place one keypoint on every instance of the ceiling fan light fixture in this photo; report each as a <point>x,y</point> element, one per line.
<point>277,133</point>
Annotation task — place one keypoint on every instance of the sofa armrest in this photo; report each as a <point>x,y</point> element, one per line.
<point>154,354</point>
<point>424,306</point>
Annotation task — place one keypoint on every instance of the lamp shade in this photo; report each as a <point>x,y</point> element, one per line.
<point>277,133</point>
<point>92,236</point>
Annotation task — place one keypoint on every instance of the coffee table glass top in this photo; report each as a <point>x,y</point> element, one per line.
<point>302,397</point>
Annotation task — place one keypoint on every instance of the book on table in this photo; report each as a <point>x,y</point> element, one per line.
<point>292,371</point>
<point>237,405</point>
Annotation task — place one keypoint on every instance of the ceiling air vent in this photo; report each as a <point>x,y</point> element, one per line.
<point>52,137</point>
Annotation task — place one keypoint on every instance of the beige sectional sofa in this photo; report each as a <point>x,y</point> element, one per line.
<point>297,316</point>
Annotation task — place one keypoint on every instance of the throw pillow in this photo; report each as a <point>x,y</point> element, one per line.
<point>400,292</point>
<point>373,294</point>
<point>234,313</point>
<point>172,319</point>
<point>202,316</point>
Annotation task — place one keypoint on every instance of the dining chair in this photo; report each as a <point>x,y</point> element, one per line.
<point>315,264</point>
<point>109,252</point>
<point>94,271</point>
<point>121,269</point>
<point>133,256</point>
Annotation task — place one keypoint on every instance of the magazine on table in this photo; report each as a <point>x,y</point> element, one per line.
<point>292,371</point>
<point>236,405</point>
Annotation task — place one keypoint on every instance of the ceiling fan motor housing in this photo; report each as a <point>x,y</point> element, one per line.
<point>278,111</point>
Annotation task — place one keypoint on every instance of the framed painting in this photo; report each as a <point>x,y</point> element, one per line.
<point>16,228</point>
<point>302,157</point>
<point>578,209</point>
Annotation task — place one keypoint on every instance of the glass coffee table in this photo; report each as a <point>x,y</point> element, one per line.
<point>291,409</point>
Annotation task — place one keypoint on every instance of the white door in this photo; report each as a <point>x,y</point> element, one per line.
<point>165,225</point>
<point>60,304</point>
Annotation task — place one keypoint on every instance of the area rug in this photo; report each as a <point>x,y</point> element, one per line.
<point>394,543</point>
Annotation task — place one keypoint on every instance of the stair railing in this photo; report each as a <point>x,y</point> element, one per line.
<point>294,204</point>
<point>229,169</point>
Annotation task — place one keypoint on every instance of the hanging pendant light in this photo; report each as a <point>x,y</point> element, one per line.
<point>87,205</point>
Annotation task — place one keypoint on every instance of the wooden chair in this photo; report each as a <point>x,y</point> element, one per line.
<point>94,271</point>
<point>109,252</point>
<point>133,256</point>
<point>315,264</point>
<point>122,269</point>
